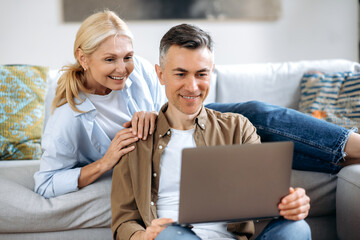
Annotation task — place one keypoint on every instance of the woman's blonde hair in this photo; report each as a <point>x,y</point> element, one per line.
<point>92,32</point>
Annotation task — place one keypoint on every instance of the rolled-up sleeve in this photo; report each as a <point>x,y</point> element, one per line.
<point>58,174</point>
<point>248,131</point>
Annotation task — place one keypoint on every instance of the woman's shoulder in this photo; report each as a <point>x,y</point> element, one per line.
<point>64,112</point>
<point>141,62</point>
<point>63,117</point>
<point>143,68</point>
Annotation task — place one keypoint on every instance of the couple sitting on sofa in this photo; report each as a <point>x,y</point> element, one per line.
<point>85,137</point>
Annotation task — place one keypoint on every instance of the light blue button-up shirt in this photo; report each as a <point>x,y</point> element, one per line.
<point>72,140</point>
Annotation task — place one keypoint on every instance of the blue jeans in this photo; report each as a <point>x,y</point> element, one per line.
<point>319,145</point>
<point>279,229</point>
<point>177,233</point>
<point>286,229</point>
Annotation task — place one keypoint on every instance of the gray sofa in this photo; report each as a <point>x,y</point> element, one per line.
<point>86,214</point>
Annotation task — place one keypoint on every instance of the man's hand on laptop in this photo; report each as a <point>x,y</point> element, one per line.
<point>296,205</point>
<point>151,232</point>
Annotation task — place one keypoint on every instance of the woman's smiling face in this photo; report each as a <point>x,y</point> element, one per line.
<point>110,65</point>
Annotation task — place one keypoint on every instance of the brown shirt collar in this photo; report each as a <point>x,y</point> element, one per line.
<point>163,123</point>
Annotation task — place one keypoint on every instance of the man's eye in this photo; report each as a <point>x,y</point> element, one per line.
<point>202,75</point>
<point>180,74</point>
<point>128,57</point>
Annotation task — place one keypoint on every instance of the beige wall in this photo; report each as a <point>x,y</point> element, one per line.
<point>32,32</point>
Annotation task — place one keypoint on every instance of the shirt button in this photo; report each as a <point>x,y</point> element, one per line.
<point>160,135</point>
<point>160,147</point>
<point>168,132</point>
<point>152,203</point>
<point>202,125</point>
<point>154,175</point>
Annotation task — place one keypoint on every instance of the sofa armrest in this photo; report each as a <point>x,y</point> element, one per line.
<point>347,202</point>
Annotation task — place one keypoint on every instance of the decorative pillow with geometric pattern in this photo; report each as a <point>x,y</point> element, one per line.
<point>22,90</point>
<point>332,97</point>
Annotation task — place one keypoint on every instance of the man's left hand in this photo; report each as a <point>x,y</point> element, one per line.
<point>296,205</point>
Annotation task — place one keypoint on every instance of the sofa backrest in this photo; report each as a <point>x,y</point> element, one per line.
<point>275,83</point>
<point>52,78</point>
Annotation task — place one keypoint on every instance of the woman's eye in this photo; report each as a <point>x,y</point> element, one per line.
<point>109,59</point>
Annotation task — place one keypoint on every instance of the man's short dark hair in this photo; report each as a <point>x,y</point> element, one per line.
<point>187,36</point>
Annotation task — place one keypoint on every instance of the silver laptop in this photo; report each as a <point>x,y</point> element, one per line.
<point>234,182</point>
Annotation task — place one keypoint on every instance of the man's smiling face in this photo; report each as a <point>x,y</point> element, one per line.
<point>186,76</point>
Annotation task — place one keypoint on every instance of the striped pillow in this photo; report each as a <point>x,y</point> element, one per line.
<point>332,97</point>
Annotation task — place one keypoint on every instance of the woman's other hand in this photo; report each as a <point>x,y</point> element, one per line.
<point>142,124</point>
<point>118,148</point>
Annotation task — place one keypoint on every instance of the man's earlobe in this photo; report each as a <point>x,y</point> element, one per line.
<point>159,73</point>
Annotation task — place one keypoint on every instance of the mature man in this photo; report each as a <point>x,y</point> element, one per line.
<point>145,188</point>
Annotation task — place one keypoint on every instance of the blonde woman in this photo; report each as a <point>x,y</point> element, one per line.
<point>105,101</point>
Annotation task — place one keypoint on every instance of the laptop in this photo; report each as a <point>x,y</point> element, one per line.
<point>234,183</point>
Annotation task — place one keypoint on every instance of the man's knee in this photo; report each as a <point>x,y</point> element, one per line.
<point>295,230</point>
<point>301,228</point>
<point>285,229</point>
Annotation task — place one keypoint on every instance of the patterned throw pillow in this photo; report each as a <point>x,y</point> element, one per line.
<point>332,97</point>
<point>22,90</point>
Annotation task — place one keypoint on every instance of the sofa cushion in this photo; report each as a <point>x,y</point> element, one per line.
<point>320,187</point>
<point>274,83</point>
<point>22,91</point>
<point>332,97</point>
<point>22,210</point>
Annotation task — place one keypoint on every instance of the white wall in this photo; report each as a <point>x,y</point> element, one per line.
<point>32,32</point>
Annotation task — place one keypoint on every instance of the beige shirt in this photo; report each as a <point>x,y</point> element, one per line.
<point>135,181</point>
